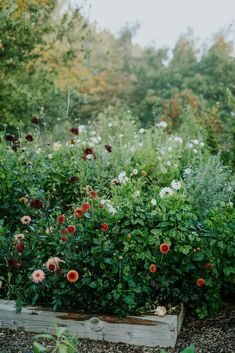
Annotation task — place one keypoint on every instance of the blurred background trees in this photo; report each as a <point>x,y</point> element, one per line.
<point>57,65</point>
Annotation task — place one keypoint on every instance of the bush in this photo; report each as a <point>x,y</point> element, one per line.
<point>132,233</point>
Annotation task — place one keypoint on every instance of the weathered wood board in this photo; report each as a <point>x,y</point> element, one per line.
<point>146,330</point>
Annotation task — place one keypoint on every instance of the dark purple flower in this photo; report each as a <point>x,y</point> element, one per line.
<point>37,204</point>
<point>108,148</point>
<point>35,120</point>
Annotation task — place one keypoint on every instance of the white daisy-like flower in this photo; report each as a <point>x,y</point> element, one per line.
<point>82,128</point>
<point>162,124</point>
<point>136,193</point>
<point>49,156</point>
<point>110,124</point>
<point>122,178</point>
<point>202,144</point>
<point>176,185</point>
<point>93,132</point>
<point>178,139</point>
<point>135,171</point>
<point>111,209</point>
<point>166,191</point>
<point>187,171</point>
<point>153,202</point>
<point>195,142</point>
<point>141,131</point>
<point>190,145</point>
<point>168,163</point>
<point>103,202</point>
<point>194,150</point>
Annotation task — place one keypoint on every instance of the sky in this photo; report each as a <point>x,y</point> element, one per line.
<point>162,21</point>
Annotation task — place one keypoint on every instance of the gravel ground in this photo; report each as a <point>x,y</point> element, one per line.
<point>216,335</point>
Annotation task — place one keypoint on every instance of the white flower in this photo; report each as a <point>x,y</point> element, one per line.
<point>194,150</point>
<point>230,204</point>
<point>110,124</point>
<point>196,142</point>
<point>187,171</point>
<point>141,144</point>
<point>93,132</point>
<point>190,145</point>
<point>111,209</point>
<point>135,171</point>
<point>169,149</point>
<point>122,178</point>
<point>202,144</point>
<point>136,193</point>
<point>176,185</point>
<point>160,311</point>
<point>82,128</point>
<point>166,191</point>
<point>153,202</point>
<point>168,163</point>
<point>49,156</point>
<point>120,135</point>
<point>162,124</point>
<point>56,146</point>
<point>162,152</point>
<point>141,131</point>
<point>19,237</point>
<point>178,139</point>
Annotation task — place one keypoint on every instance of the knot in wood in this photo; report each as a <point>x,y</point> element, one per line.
<point>95,324</point>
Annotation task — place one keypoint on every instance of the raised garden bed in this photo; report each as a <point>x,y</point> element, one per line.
<point>147,330</point>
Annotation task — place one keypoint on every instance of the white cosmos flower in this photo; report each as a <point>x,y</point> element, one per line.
<point>136,193</point>
<point>187,171</point>
<point>122,178</point>
<point>176,185</point>
<point>162,124</point>
<point>135,171</point>
<point>166,191</point>
<point>141,131</point>
<point>178,139</point>
<point>153,202</point>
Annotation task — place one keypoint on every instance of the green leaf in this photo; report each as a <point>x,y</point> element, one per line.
<point>37,348</point>
<point>62,348</point>
<point>189,350</point>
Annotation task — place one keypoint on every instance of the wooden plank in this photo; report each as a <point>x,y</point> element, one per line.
<point>146,330</point>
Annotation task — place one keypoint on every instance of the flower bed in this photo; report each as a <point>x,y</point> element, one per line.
<point>119,222</point>
<point>148,330</point>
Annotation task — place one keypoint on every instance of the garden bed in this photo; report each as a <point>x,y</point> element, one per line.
<point>147,330</point>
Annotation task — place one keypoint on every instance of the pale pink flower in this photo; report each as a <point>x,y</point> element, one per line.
<point>38,276</point>
<point>160,311</point>
<point>26,220</point>
<point>19,236</point>
<point>53,263</point>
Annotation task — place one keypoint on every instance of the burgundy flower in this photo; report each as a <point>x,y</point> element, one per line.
<point>10,263</point>
<point>74,130</point>
<point>108,148</point>
<point>73,179</point>
<point>20,247</point>
<point>71,229</point>
<point>37,204</point>
<point>64,238</point>
<point>93,194</point>
<point>35,120</point>
<point>60,219</point>
<point>29,138</point>
<point>88,150</point>
<point>11,138</point>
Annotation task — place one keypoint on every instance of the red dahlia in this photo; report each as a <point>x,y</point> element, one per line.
<point>164,248</point>
<point>78,212</point>
<point>152,268</point>
<point>104,227</point>
<point>200,282</point>
<point>86,206</point>
<point>93,194</point>
<point>20,247</point>
<point>71,229</point>
<point>60,219</point>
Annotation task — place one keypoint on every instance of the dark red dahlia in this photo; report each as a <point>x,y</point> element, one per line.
<point>20,247</point>
<point>29,138</point>
<point>104,227</point>
<point>74,130</point>
<point>10,263</point>
<point>108,148</point>
<point>73,179</point>
<point>88,150</point>
<point>64,238</point>
<point>37,204</point>
<point>35,120</point>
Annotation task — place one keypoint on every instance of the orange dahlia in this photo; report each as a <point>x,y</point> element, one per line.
<point>72,276</point>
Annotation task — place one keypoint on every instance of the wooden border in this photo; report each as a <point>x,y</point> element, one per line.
<point>144,330</point>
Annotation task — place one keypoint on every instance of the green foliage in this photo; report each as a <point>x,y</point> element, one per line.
<point>62,343</point>
<point>151,189</point>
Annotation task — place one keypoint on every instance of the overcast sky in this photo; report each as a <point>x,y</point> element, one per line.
<point>162,21</point>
